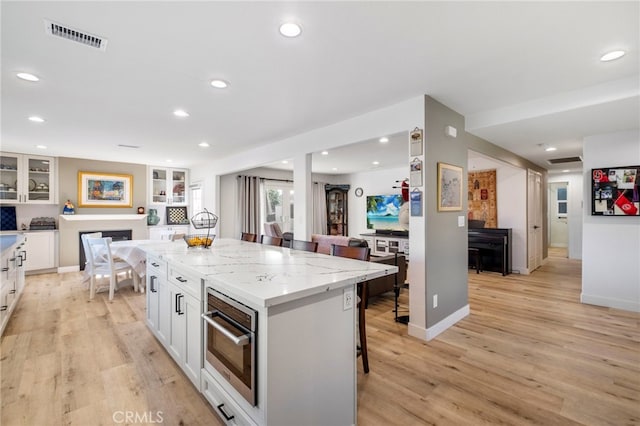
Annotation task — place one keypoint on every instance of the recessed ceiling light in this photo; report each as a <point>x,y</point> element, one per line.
<point>610,56</point>
<point>219,84</point>
<point>285,162</point>
<point>565,171</point>
<point>169,161</point>
<point>375,163</point>
<point>384,140</point>
<point>203,144</point>
<point>42,147</point>
<point>334,169</point>
<point>325,153</point>
<point>180,113</point>
<point>550,148</point>
<point>290,29</point>
<point>36,119</point>
<point>27,76</point>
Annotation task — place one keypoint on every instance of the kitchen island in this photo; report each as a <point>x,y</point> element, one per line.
<point>305,339</point>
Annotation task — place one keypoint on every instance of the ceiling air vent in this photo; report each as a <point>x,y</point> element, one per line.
<point>564,160</point>
<point>78,36</point>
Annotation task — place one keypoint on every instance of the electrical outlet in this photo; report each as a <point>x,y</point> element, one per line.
<point>435,300</point>
<point>347,299</point>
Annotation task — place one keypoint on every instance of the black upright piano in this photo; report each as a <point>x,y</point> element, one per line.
<point>495,248</point>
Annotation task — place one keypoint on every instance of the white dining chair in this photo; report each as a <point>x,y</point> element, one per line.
<point>88,263</point>
<point>103,264</point>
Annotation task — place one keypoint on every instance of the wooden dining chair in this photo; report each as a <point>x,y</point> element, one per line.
<point>246,236</point>
<point>358,253</point>
<point>304,245</point>
<point>270,241</point>
<point>103,264</point>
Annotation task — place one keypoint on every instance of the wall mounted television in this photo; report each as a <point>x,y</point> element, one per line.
<point>614,191</point>
<point>383,212</point>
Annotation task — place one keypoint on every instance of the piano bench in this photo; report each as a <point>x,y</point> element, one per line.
<point>475,254</point>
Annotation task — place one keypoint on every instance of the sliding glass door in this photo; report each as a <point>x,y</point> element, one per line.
<point>278,207</point>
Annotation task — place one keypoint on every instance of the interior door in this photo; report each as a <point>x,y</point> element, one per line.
<point>558,222</point>
<point>534,220</point>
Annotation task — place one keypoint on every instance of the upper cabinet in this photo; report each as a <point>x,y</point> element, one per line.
<point>168,186</point>
<point>27,179</point>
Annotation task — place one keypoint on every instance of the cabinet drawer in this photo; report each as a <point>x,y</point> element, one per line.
<point>222,404</point>
<point>156,266</point>
<point>189,282</point>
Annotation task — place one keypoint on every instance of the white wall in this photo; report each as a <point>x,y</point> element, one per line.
<point>511,197</point>
<point>574,210</point>
<point>375,182</point>
<point>610,245</point>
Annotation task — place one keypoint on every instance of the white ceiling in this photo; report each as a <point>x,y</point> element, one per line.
<point>523,74</point>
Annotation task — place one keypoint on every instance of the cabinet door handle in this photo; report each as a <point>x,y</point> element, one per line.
<point>25,254</point>
<point>3,308</point>
<point>12,292</point>
<point>152,281</point>
<point>5,269</point>
<point>20,259</point>
<point>224,413</point>
<point>180,297</point>
<point>154,264</point>
<point>182,280</point>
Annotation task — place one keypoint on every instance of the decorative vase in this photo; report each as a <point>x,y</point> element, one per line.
<point>153,218</point>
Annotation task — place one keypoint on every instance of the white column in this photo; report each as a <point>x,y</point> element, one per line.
<point>303,220</point>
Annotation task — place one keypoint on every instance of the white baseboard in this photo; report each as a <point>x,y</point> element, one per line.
<point>431,332</point>
<point>63,269</point>
<point>627,305</point>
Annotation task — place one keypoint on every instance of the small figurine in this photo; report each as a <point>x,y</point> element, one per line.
<point>68,208</point>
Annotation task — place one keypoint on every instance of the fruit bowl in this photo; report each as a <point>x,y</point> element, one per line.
<point>199,240</point>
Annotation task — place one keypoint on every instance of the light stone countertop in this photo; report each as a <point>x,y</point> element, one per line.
<point>267,275</point>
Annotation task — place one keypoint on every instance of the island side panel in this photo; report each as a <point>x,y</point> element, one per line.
<point>310,361</point>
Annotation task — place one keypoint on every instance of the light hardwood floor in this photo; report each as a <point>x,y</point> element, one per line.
<point>529,353</point>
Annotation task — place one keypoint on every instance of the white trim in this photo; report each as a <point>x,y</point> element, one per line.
<point>441,326</point>
<point>81,217</point>
<point>431,332</point>
<point>64,269</point>
<point>627,305</point>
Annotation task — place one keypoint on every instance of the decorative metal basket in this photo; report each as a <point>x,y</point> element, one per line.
<point>204,220</point>
<point>199,240</point>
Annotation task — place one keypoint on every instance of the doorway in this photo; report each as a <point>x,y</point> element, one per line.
<point>558,218</point>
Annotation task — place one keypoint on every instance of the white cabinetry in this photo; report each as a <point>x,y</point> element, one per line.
<point>41,247</point>
<point>160,232</point>
<point>168,186</point>
<point>27,179</point>
<point>382,244</point>
<point>173,314</point>
<point>12,280</point>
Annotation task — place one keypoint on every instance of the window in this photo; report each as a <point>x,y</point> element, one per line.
<point>561,194</point>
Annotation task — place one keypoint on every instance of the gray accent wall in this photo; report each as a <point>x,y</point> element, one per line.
<point>68,169</point>
<point>445,243</point>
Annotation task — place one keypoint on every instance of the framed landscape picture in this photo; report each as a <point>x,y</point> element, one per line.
<point>105,190</point>
<point>449,188</point>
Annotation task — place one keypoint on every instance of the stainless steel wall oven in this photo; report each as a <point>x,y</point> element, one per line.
<point>230,342</point>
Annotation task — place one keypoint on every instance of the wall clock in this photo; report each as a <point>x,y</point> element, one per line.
<point>358,192</point>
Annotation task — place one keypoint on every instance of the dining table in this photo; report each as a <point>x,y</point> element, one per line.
<point>132,253</point>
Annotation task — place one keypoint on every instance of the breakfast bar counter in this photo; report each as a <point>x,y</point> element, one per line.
<point>267,334</point>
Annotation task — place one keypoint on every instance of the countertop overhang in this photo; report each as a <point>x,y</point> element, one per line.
<point>266,275</point>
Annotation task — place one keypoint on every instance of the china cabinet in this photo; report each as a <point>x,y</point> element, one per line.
<point>168,186</point>
<point>337,209</point>
<point>27,179</point>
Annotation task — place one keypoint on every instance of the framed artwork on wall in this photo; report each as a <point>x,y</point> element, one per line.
<point>449,188</point>
<point>104,190</point>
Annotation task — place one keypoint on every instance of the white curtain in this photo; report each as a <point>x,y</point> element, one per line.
<point>319,208</point>
<point>249,189</point>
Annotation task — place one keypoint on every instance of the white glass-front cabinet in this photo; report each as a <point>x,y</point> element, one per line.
<point>168,186</point>
<point>27,179</point>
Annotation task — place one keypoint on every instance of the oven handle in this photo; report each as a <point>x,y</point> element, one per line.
<point>238,340</point>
